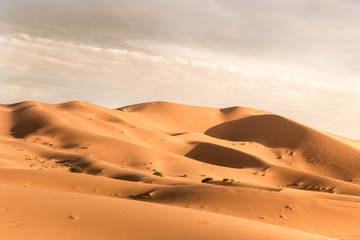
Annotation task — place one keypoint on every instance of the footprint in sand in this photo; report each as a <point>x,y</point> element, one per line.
<point>72,217</point>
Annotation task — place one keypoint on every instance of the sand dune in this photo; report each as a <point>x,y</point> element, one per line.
<point>273,178</point>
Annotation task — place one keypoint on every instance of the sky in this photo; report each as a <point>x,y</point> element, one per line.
<point>299,59</point>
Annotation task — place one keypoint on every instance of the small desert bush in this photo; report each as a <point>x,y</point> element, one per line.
<point>160,174</point>
<point>225,180</point>
<point>76,169</point>
<point>208,179</point>
<point>184,175</point>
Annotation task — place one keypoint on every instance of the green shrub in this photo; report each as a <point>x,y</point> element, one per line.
<point>184,175</point>
<point>232,180</point>
<point>208,179</point>
<point>76,169</point>
<point>225,180</point>
<point>160,174</point>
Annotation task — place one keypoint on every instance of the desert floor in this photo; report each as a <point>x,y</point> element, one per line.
<point>272,177</point>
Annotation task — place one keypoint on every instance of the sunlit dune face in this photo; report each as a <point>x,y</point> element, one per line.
<point>298,59</point>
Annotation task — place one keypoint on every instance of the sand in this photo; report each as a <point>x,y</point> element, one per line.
<point>272,177</point>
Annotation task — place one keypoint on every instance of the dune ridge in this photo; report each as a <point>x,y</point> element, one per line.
<point>269,173</point>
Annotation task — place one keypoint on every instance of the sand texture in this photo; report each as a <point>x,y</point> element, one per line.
<point>272,177</point>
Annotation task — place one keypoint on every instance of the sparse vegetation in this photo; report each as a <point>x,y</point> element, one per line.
<point>232,180</point>
<point>160,174</point>
<point>208,179</point>
<point>184,175</point>
<point>76,169</point>
<point>225,180</point>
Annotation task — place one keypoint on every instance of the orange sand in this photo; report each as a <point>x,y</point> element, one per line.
<point>289,181</point>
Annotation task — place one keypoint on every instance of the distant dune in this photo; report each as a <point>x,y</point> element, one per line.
<point>271,177</point>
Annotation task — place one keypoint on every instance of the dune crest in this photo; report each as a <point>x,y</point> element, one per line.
<point>270,176</point>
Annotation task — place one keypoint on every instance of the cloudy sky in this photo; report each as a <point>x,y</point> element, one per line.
<point>296,58</point>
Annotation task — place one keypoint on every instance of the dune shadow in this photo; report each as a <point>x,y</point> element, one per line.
<point>25,128</point>
<point>127,177</point>
<point>27,120</point>
<point>223,156</point>
<point>270,130</point>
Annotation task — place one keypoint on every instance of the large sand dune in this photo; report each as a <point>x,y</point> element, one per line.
<point>283,180</point>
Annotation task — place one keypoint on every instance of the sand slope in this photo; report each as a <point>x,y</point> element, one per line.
<point>285,180</point>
